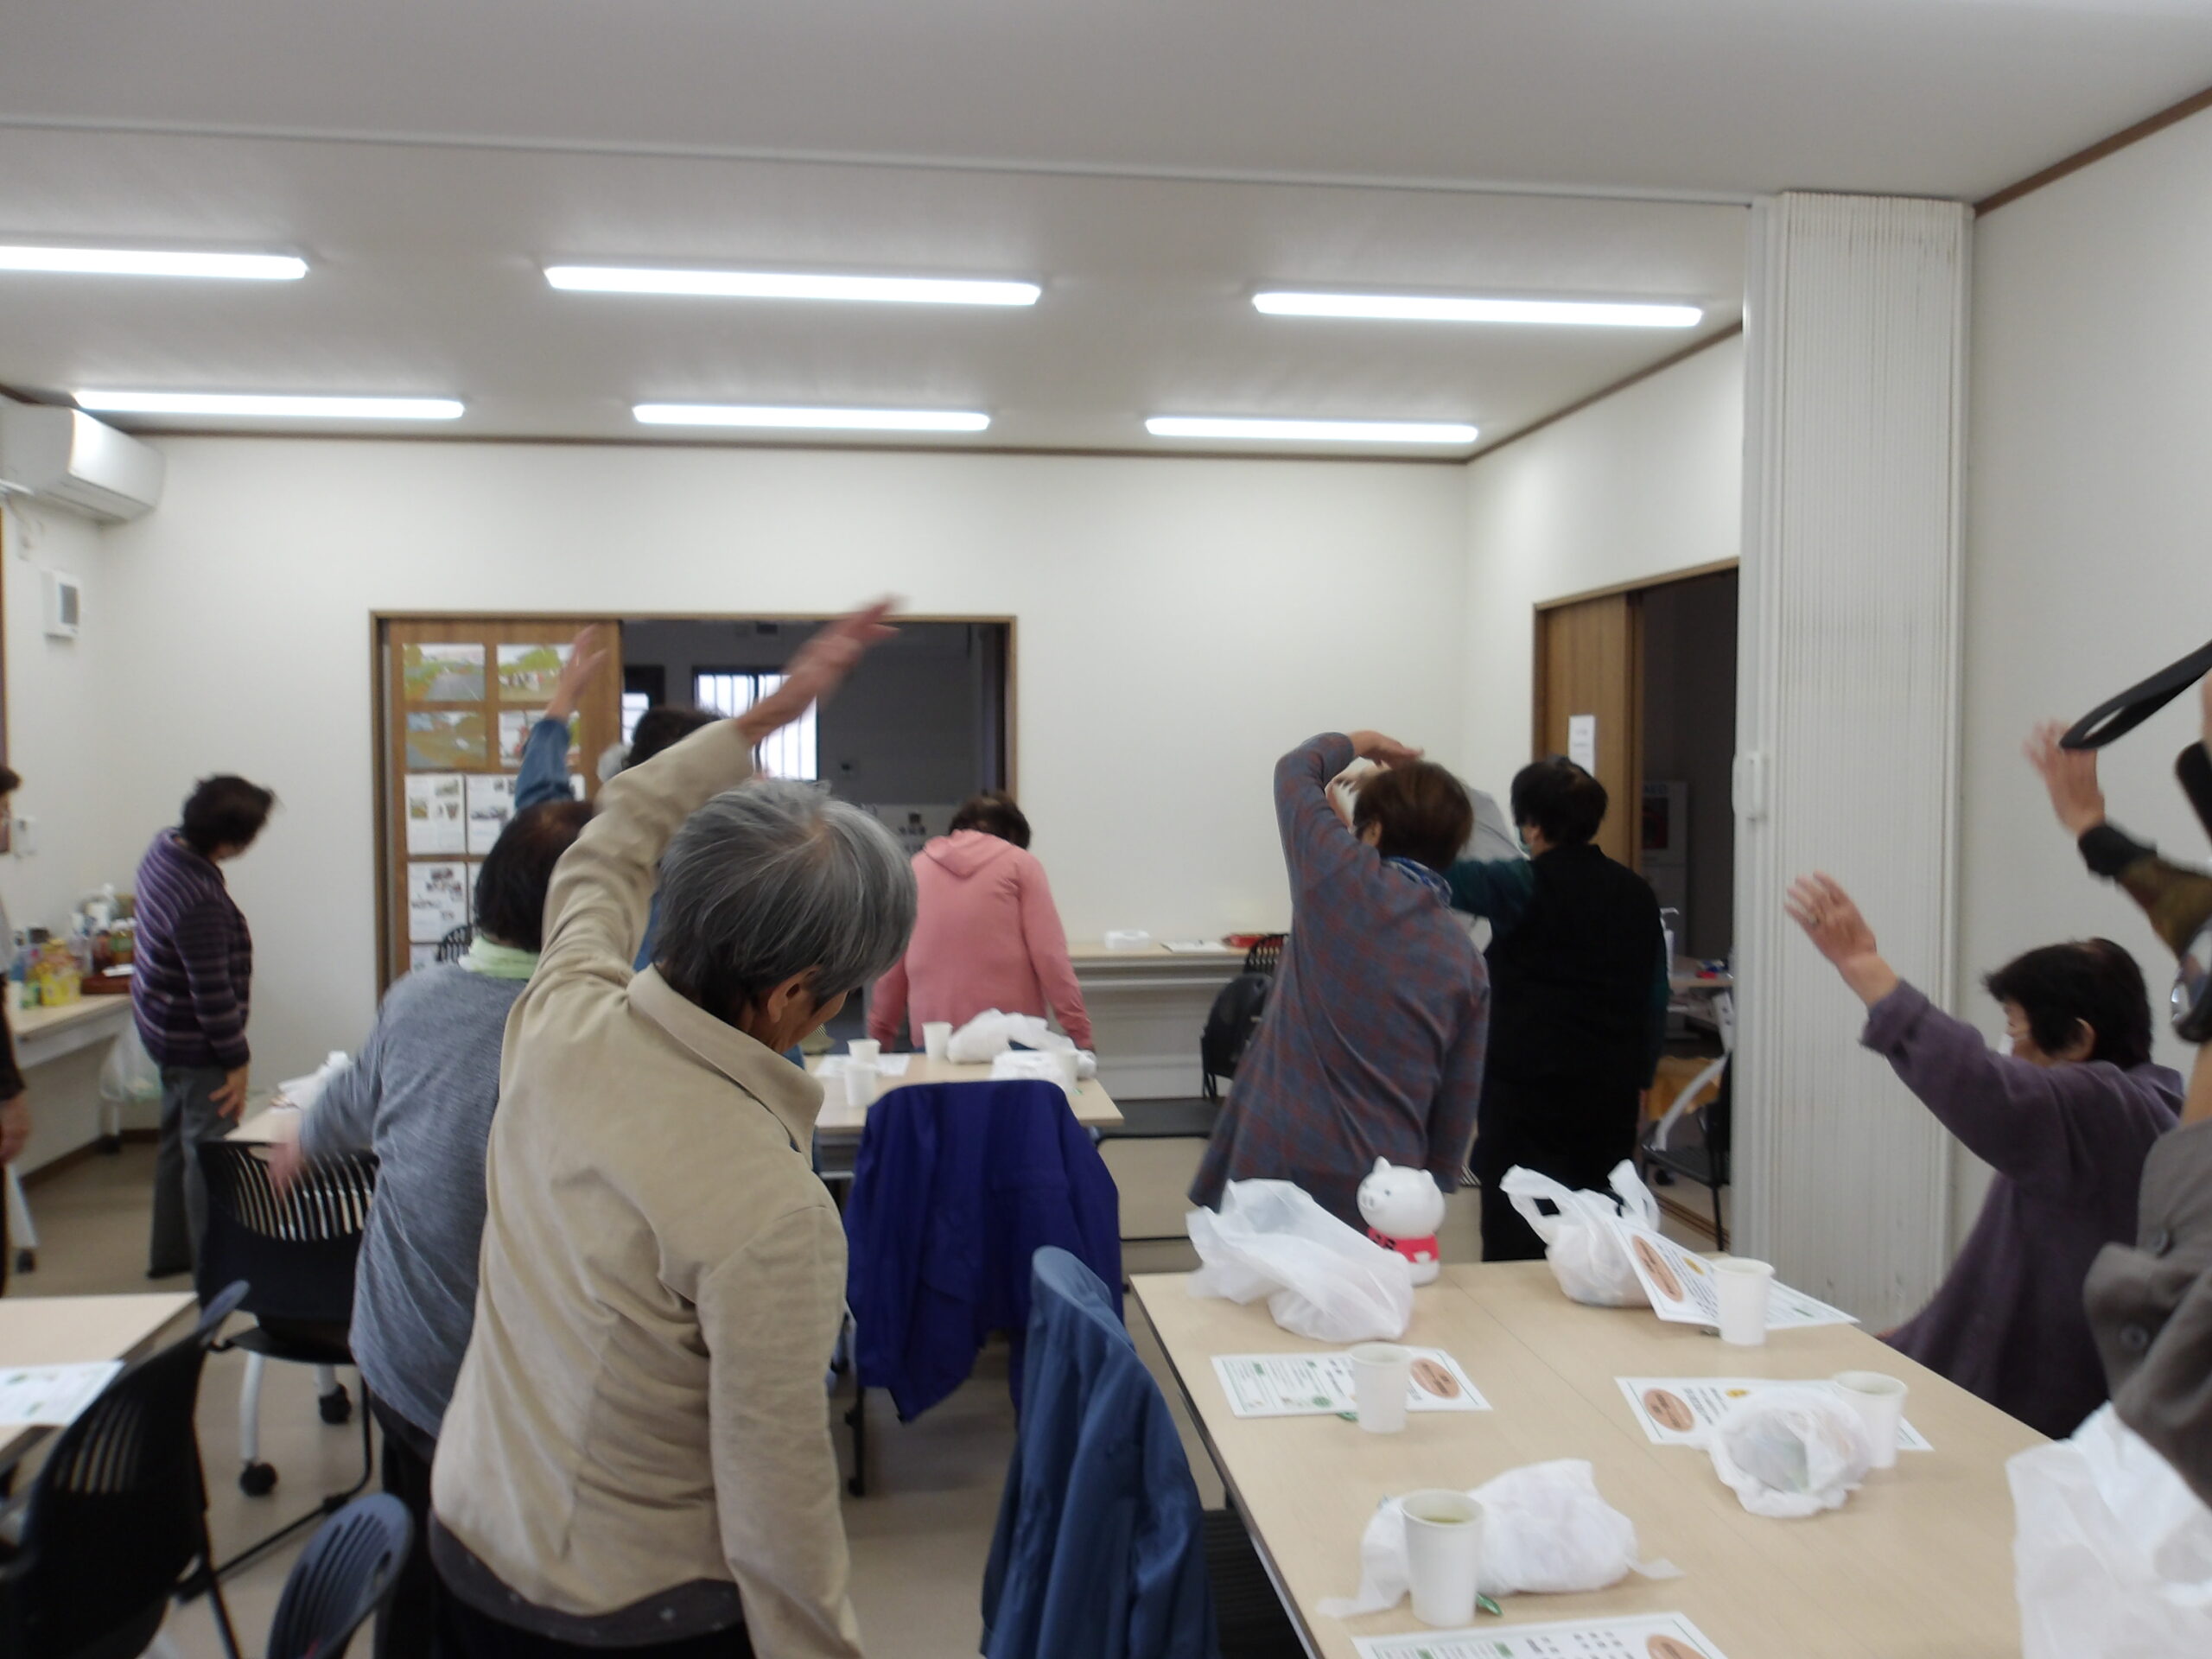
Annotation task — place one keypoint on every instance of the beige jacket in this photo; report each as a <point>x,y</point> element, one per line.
<point>642,1409</point>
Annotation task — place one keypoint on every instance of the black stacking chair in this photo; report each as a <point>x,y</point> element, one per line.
<point>117,1522</point>
<point>1266,954</point>
<point>341,1578</point>
<point>454,946</point>
<point>297,1252</point>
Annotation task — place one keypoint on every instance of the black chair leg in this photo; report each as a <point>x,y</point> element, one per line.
<point>1719,1227</point>
<point>857,1417</point>
<point>329,1506</point>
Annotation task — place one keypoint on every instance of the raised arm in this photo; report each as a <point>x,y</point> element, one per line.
<point>1499,889</point>
<point>1048,951</point>
<point>2044,1125</point>
<point>1317,843</point>
<point>544,775</point>
<point>602,889</point>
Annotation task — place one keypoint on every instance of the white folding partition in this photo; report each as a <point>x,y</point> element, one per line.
<point>1847,724</point>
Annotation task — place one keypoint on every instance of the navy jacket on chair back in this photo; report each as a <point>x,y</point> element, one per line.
<point>957,1186</point>
<point>1100,1551</point>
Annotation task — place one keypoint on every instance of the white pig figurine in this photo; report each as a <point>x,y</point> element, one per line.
<point>1403,1209</point>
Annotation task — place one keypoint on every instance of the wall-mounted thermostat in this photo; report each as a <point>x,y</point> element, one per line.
<point>65,599</point>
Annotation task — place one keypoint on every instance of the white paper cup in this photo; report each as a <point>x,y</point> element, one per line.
<point>1444,1556</point>
<point>1381,1372</point>
<point>864,1051</point>
<point>861,1081</point>
<point>1879,1399</point>
<point>1744,1285</point>
<point>936,1039</point>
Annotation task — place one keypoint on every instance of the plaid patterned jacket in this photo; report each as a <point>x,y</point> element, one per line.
<point>1373,1040</point>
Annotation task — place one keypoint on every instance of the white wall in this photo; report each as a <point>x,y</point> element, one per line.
<point>62,742</point>
<point>1180,624</point>
<point>1648,482</point>
<point>2088,535</point>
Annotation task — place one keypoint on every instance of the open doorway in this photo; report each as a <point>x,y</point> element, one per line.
<point>1638,684</point>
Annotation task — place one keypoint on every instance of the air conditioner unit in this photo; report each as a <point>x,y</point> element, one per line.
<point>66,459</point>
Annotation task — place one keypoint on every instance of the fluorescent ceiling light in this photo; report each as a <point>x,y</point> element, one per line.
<point>290,408</point>
<point>154,262</point>
<point>837,420</point>
<point>786,285</point>
<point>1419,308</point>
<point>1203,426</point>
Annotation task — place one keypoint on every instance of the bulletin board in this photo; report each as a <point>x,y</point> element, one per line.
<point>455,697</point>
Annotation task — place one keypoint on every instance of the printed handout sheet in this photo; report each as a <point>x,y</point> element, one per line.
<point>1642,1636</point>
<point>1678,1410</point>
<point>52,1395</point>
<point>1316,1385</point>
<point>1681,1285</point>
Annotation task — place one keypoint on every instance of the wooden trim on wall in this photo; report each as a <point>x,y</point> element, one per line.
<point>1642,584</point>
<point>2173,115</point>
<point>1603,392</point>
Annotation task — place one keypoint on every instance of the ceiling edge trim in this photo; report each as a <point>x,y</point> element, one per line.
<point>2173,115</point>
<point>1603,392</point>
<point>870,159</point>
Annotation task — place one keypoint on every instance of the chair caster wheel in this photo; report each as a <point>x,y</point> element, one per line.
<point>258,1480</point>
<point>337,1406</point>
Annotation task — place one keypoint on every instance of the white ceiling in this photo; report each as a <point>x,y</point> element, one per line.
<point>1150,164</point>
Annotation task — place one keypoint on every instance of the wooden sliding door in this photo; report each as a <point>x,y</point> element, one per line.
<point>1589,691</point>
<point>455,696</point>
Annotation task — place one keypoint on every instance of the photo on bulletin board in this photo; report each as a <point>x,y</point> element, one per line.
<point>490,805</point>
<point>446,741</point>
<point>437,901</point>
<point>529,673</point>
<point>441,673</point>
<point>514,733</point>
<point>435,808</point>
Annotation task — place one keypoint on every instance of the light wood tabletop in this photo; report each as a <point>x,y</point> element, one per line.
<point>1094,1107</point>
<point>269,1122</point>
<point>46,1033</point>
<point>75,1330</point>
<point>1917,1564</point>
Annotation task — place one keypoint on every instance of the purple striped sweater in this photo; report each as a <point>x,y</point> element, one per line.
<point>195,961</point>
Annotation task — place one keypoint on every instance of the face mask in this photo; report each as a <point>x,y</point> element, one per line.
<point>2005,1045</point>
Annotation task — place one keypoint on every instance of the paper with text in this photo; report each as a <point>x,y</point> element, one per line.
<point>1678,1410</point>
<point>1681,1285</point>
<point>1315,1385</point>
<point>52,1395</point>
<point>1645,1636</point>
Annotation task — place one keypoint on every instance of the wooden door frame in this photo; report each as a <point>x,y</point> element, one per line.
<point>380,732</point>
<point>1539,709</point>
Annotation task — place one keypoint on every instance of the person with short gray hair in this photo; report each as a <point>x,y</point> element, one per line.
<point>637,1454</point>
<point>772,879</point>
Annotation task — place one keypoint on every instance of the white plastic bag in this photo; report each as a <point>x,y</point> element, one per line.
<point>1790,1453</point>
<point>991,1033</point>
<point>1321,1278</point>
<point>2112,1557</point>
<point>1545,1529</point>
<point>128,1076</point>
<point>1586,1256</point>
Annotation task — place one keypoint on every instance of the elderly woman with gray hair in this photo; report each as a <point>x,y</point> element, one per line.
<point>637,1453</point>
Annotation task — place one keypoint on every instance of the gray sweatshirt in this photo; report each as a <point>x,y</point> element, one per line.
<point>421,1096</point>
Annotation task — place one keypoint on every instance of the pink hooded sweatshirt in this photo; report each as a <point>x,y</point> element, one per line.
<point>986,936</point>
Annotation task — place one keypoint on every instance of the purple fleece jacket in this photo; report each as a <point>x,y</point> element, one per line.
<point>2068,1143</point>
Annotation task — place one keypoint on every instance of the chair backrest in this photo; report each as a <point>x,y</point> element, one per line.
<point>1096,1462</point>
<point>1266,954</point>
<point>296,1251</point>
<point>119,1510</point>
<point>1229,1025</point>
<point>344,1574</point>
<point>454,946</point>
